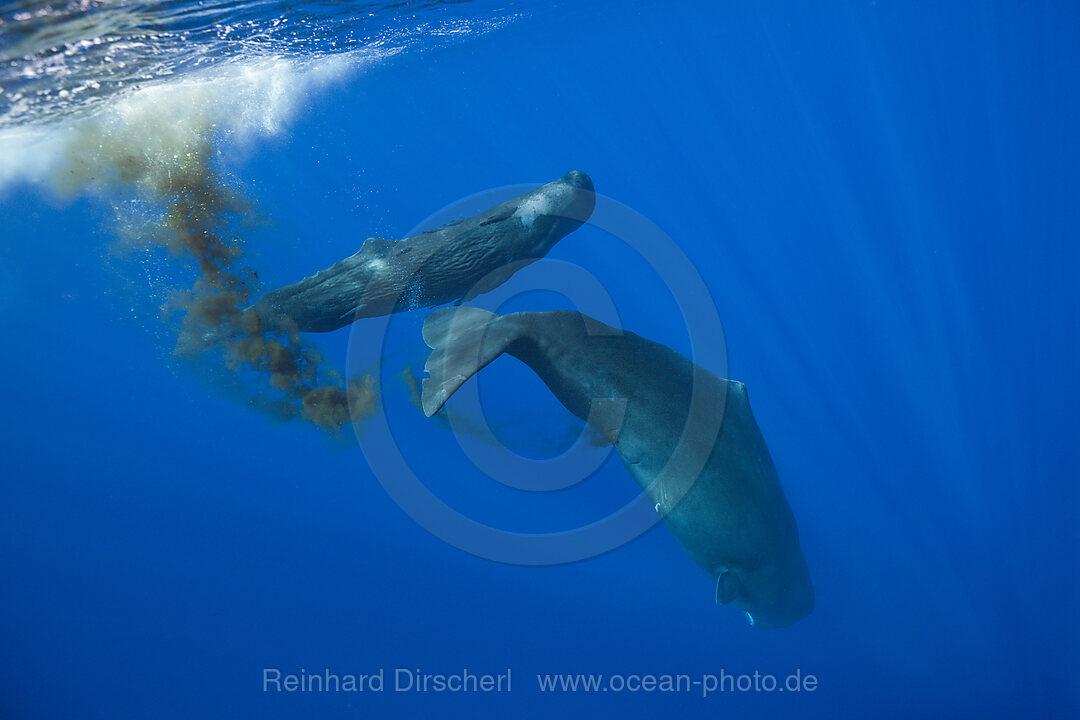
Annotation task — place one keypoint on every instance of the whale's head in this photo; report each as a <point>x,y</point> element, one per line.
<point>556,209</point>
<point>773,594</point>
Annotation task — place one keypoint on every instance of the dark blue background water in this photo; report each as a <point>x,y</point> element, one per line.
<point>882,199</point>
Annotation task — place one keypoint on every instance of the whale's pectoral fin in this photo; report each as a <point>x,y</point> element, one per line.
<point>377,246</point>
<point>501,213</point>
<point>727,587</point>
<point>463,340</point>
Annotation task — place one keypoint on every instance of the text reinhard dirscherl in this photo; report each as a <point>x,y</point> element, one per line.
<point>414,680</point>
<point>401,680</point>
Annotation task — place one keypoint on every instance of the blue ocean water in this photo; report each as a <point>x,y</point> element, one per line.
<point>879,196</point>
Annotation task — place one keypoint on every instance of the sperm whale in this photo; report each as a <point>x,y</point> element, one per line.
<point>455,262</point>
<point>687,437</point>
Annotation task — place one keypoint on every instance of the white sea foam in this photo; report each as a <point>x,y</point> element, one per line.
<point>169,124</point>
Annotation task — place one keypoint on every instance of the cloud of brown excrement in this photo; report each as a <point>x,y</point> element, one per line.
<point>159,151</point>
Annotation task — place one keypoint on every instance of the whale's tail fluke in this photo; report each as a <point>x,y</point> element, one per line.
<point>462,340</point>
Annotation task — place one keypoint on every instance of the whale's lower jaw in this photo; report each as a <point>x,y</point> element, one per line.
<point>531,209</point>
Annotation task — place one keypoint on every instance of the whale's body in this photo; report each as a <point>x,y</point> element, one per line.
<point>459,260</point>
<point>688,438</point>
